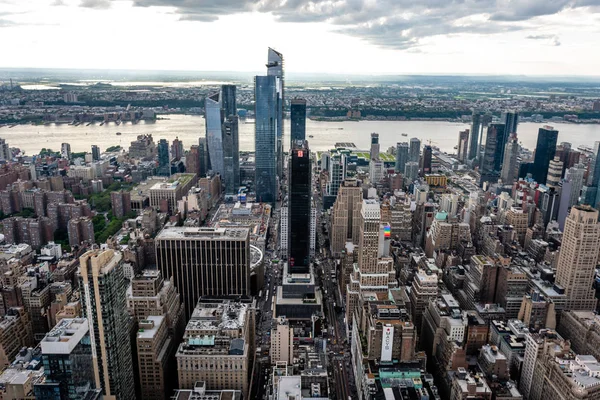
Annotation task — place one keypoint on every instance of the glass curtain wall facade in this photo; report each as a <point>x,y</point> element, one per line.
<point>265,139</point>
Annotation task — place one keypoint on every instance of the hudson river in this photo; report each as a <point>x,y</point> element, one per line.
<point>188,128</point>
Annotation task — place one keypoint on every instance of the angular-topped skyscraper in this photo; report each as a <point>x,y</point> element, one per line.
<point>275,68</point>
<point>298,120</point>
<point>228,102</point>
<point>299,209</point>
<point>511,120</point>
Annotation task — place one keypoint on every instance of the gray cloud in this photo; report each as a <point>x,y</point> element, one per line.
<point>396,24</point>
<point>96,4</point>
<point>554,40</point>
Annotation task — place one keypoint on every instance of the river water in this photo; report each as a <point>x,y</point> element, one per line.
<point>325,134</point>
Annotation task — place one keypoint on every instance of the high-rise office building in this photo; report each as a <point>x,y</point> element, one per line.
<point>374,154</point>
<point>463,145</point>
<point>299,208</point>
<point>590,195</point>
<point>95,153</point>
<point>401,157</point>
<point>154,348</point>
<point>490,165</point>
<point>164,167</point>
<point>275,68</point>
<point>282,342</point>
<point>176,149</point>
<point>554,176</point>
<point>104,302</point>
<point>65,151</point>
<point>204,163</point>
<point>228,101</point>
<point>474,137</point>
<point>575,175</point>
<point>337,174</point>
<point>5,153</point>
<point>345,216</point>
<point>577,258</point>
<point>192,161</point>
<point>298,120</point>
<point>510,119</point>
<point>411,171</point>
<point>214,132</point>
<point>266,99</point>
<point>415,150</point>
<point>205,261</point>
<point>375,272</point>
<point>68,361</point>
<point>231,155</point>
<point>427,155</point>
<point>544,152</point>
<point>510,165</point>
<point>501,139</point>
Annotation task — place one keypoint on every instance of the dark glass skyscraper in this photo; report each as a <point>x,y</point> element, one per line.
<point>231,155</point>
<point>95,153</point>
<point>164,167</point>
<point>501,139</point>
<point>474,137</point>
<point>401,156</point>
<point>265,138</point>
<point>228,102</point>
<point>544,152</point>
<point>511,120</point>
<point>427,154</point>
<point>298,120</point>
<point>299,209</point>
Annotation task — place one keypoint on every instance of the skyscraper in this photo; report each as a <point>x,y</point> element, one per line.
<point>463,145</point>
<point>375,266</point>
<point>554,176</point>
<point>401,157</point>
<point>510,165</point>
<point>228,101</point>
<point>214,132</point>
<point>192,161</point>
<point>104,303</point>
<point>95,153</point>
<point>231,155</point>
<point>65,151</point>
<point>544,152</point>
<point>345,216</point>
<point>204,160</point>
<point>427,155</point>
<point>577,258</point>
<point>176,149</point>
<point>374,154</point>
<point>474,137</point>
<point>415,150</point>
<point>205,261</point>
<point>266,100</point>
<point>164,167</point>
<point>299,209</point>
<point>501,139</point>
<point>591,193</point>
<point>511,120</point>
<point>275,68</point>
<point>298,120</point>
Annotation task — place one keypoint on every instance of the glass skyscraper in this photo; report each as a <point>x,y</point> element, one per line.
<point>298,120</point>
<point>164,167</point>
<point>401,156</point>
<point>544,152</point>
<point>265,139</point>
<point>214,132</point>
<point>231,155</point>
<point>275,68</point>
<point>299,209</point>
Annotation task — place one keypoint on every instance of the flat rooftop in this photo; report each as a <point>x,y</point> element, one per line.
<point>202,233</point>
<point>227,315</point>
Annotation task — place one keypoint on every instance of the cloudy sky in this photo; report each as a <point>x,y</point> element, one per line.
<point>532,37</point>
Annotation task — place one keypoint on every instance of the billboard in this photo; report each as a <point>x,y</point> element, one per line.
<point>387,343</point>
